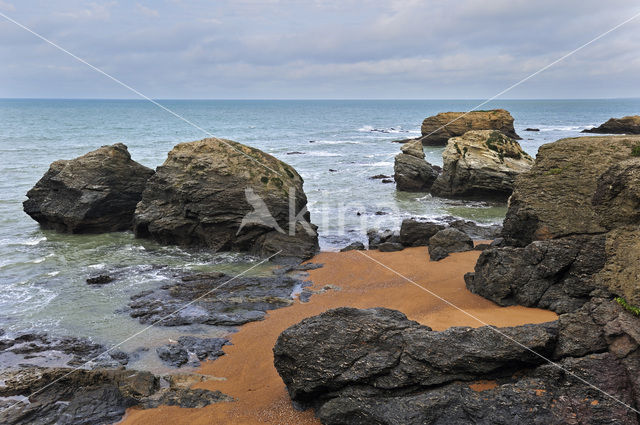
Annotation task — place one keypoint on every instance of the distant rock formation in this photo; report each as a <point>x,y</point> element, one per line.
<point>225,196</point>
<point>94,193</point>
<point>437,129</point>
<point>625,125</point>
<point>481,164</point>
<point>572,228</point>
<point>375,366</point>
<point>412,172</point>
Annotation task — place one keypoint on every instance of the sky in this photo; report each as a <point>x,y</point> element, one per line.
<point>281,49</point>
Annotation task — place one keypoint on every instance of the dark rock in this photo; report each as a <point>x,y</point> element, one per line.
<point>481,164</point>
<point>417,233</point>
<point>411,172</point>
<point>557,274</point>
<point>214,300</point>
<point>376,237</point>
<point>100,279</point>
<point>387,180</point>
<point>226,196</point>
<point>476,231</point>
<point>448,241</point>
<point>625,125</point>
<point>94,193</point>
<point>379,177</point>
<point>381,213</point>
<point>481,246</point>
<point>531,129</point>
<point>354,246</point>
<point>332,170</point>
<point>390,247</point>
<point>179,354</point>
<point>295,153</point>
<point>438,129</point>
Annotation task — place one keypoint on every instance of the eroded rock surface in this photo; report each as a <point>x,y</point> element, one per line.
<point>412,172</point>
<point>93,193</point>
<point>438,129</point>
<point>448,241</point>
<point>625,125</point>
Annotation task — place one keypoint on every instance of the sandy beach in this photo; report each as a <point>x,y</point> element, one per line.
<point>247,368</point>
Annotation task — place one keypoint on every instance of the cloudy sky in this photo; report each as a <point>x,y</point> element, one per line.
<point>320,48</point>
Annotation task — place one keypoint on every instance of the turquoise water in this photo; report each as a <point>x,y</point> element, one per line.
<point>42,274</point>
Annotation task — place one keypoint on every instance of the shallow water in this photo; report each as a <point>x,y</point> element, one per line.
<point>42,274</point>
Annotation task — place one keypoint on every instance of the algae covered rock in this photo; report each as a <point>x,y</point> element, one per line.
<point>438,129</point>
<point>481,164</point>
<point>96,192</point>
<point>223,195</point>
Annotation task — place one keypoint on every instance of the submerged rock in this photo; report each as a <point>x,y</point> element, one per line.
<point>214,299</point>
<point>225,196</point>
<point>412,173</point>
<point>448,241</point>
<point>438,129</point>
<point>94,193</point>
<point>625,125</point>
<point>481,164</point>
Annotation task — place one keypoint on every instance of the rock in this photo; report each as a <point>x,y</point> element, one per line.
<point>625,125</point>
<point>387,181</point>
<point>481,164</point>
<point>376,366</point>
<point>216,299</point>
<point>379,177</point>
<point>225,196</point>
<point>448,241</point>
<point>100,279</point>
<point>411,172</point>
<point>417,233</point>
<point>376,237</point>
<point>531,129</point>
<point>476,231</point>
<point>68,396</point>
<point>295,153</point>
<point>557,275</point>
<point>94,193</point>
<point>390,247</point>
<point>572,172</point>
<point>354,246</point>
<point>180,353</point>
<point>437,129</point>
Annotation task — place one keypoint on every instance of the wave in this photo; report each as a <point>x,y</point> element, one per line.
<point>388,130</point>
<point>337,142</point>
<point>322,153</point>
<point>562,127</point>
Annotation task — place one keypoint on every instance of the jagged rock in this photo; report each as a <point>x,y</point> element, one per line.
<point>223,195</point>
<point>186,347</point>
<point>448,241</point>
<point>574,173</point>
<point>377,237</point>
<point>70,397</point>
<point>558,275</point>
<point>411,172</point>
<point>625,125</point>
<point>417,233</point>
<point>100,279</point>
<point>94,193</point>
<point>481,164</point>
<point>215,299</point>
<point>376,367</point>
<point>353,246</point>
<point>437,129</point>
<point>476,231</point>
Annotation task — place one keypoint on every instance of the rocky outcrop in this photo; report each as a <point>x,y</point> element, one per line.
<point>625,125</point>
<point>417,233</point>
<point>93,193</point>
<point>377,237</point>
<point>481,164</point>
<point>223,195</point>
<point>412,172</point>
<point>214,299</point>
<point>41,396</point>
<point>448,241</point>
<point>376,366</point>
<point>438,129</point>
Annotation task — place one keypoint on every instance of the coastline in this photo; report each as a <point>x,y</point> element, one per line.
<point>247,368</point>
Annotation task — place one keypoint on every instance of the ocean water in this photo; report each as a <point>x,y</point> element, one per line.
<point>42,274</point>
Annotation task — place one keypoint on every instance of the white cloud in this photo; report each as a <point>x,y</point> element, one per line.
<point>7,6</point>
<point>147,11</point>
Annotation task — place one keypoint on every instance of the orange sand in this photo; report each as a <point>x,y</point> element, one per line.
<point>248,366</point>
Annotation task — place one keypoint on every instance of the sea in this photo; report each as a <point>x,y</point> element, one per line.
<point>335,145</point>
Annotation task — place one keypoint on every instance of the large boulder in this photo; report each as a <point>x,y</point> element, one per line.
<point>448,241</point>
<point>481,164</point>
<point>94,193</point>
<point>223,195</point>
<point>625,125</point>
<point>437,129</point>
<point>412,172</point>
<point>377,367</point>
<point>417,233</point>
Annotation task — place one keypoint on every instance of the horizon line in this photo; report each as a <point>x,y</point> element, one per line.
<point>312,98</point>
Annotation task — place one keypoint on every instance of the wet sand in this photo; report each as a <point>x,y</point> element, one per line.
<point>248,364</point>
